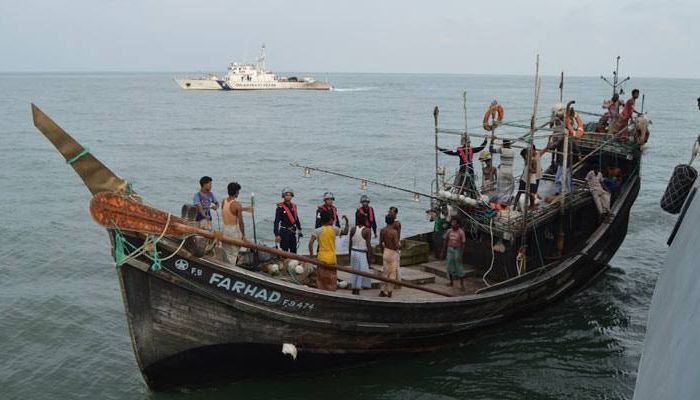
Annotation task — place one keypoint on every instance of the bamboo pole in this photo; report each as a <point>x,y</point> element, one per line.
<point>436,113</point>
<point>112,210</point>
<point>528,161</point>
<point>561,87</point>
<point>386,185</point>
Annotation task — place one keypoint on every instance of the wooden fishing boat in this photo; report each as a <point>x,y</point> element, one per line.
<point>196,318</point>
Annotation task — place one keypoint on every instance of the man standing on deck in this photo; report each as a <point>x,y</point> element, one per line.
<point>453,249</point>
<point>360,249</point>
<point>626,115</point>
<point>466,156</point>
<point>287,225</point>
<point>234,226</point>
<point>397,224</point>
<point>504,183</point>
<point>368,212</point>
<point>327,205</point>
<point>204,200</point>
<point>326,279</point>
<point>389,240</point>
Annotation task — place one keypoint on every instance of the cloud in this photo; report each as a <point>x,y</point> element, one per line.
<point>581,38</point>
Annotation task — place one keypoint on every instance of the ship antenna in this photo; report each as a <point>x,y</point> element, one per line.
<point>261,60</point>
<point>616,83</point>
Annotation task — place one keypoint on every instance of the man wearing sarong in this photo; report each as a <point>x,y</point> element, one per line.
<point>326,279</point>
<point>232,215</point>
<point>454,248</point>
<point>389,240</point>
<point>360,257</point>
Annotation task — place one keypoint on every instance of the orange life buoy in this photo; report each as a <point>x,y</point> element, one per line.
<point>494,111</point>
<point>578,132</point>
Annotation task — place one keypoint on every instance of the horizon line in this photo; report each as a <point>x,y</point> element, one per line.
<point>329,72</point>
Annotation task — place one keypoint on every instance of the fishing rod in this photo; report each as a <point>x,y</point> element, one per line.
<point>307,170</point>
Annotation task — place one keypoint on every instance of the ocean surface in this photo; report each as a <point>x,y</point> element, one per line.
<point>63,331</point>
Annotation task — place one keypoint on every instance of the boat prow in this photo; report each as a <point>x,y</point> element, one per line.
<point>96,176</point>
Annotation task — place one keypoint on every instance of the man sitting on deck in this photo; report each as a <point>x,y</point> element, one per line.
<point>326,279</point>
<point>391,259</point>
<point>455,239</point>
<point>204,200</point>
<point>601,197</point>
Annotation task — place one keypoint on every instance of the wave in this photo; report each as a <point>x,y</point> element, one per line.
<point>357,89</point>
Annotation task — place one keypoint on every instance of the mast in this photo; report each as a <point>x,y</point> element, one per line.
<point>561,87</point>
<point>616,82</point>
<point>464,107</point>
<point>528,173</point>
<point>436,112</point>
<point>261,61</point>
<point>564,183</point>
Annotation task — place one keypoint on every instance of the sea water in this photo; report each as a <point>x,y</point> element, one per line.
<point>63,332</point>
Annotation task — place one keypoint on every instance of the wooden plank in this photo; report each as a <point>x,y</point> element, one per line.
<point>417,277</point>
<point>439,268</point>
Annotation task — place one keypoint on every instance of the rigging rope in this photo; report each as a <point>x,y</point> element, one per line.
<point>84,152</point>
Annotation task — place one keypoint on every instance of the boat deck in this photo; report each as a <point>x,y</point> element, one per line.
<point>432,274</point>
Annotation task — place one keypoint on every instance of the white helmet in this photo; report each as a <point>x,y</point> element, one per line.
<point>287,190</point>
<point>328,195</point>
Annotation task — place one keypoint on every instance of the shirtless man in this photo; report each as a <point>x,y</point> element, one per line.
<point>389,240</point>
<point>397,224</point>
<point>234,226</point>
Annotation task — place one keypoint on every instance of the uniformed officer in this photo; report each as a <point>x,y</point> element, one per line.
<point>287,226</point>
<point>368,212</point>
<point>327,205</point>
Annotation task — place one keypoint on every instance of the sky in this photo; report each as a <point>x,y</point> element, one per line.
<point>659,38</point>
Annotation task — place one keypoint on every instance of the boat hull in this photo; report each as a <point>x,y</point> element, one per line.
<point>201,84</point>
<point>278,85</point>
<point>194,321</point>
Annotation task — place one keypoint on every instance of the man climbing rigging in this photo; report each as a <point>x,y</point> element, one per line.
<point>465,152</point>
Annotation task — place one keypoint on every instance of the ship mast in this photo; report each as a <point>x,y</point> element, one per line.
<point>261,60</point>
<point>528,160</point>
<point>616,82</point>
